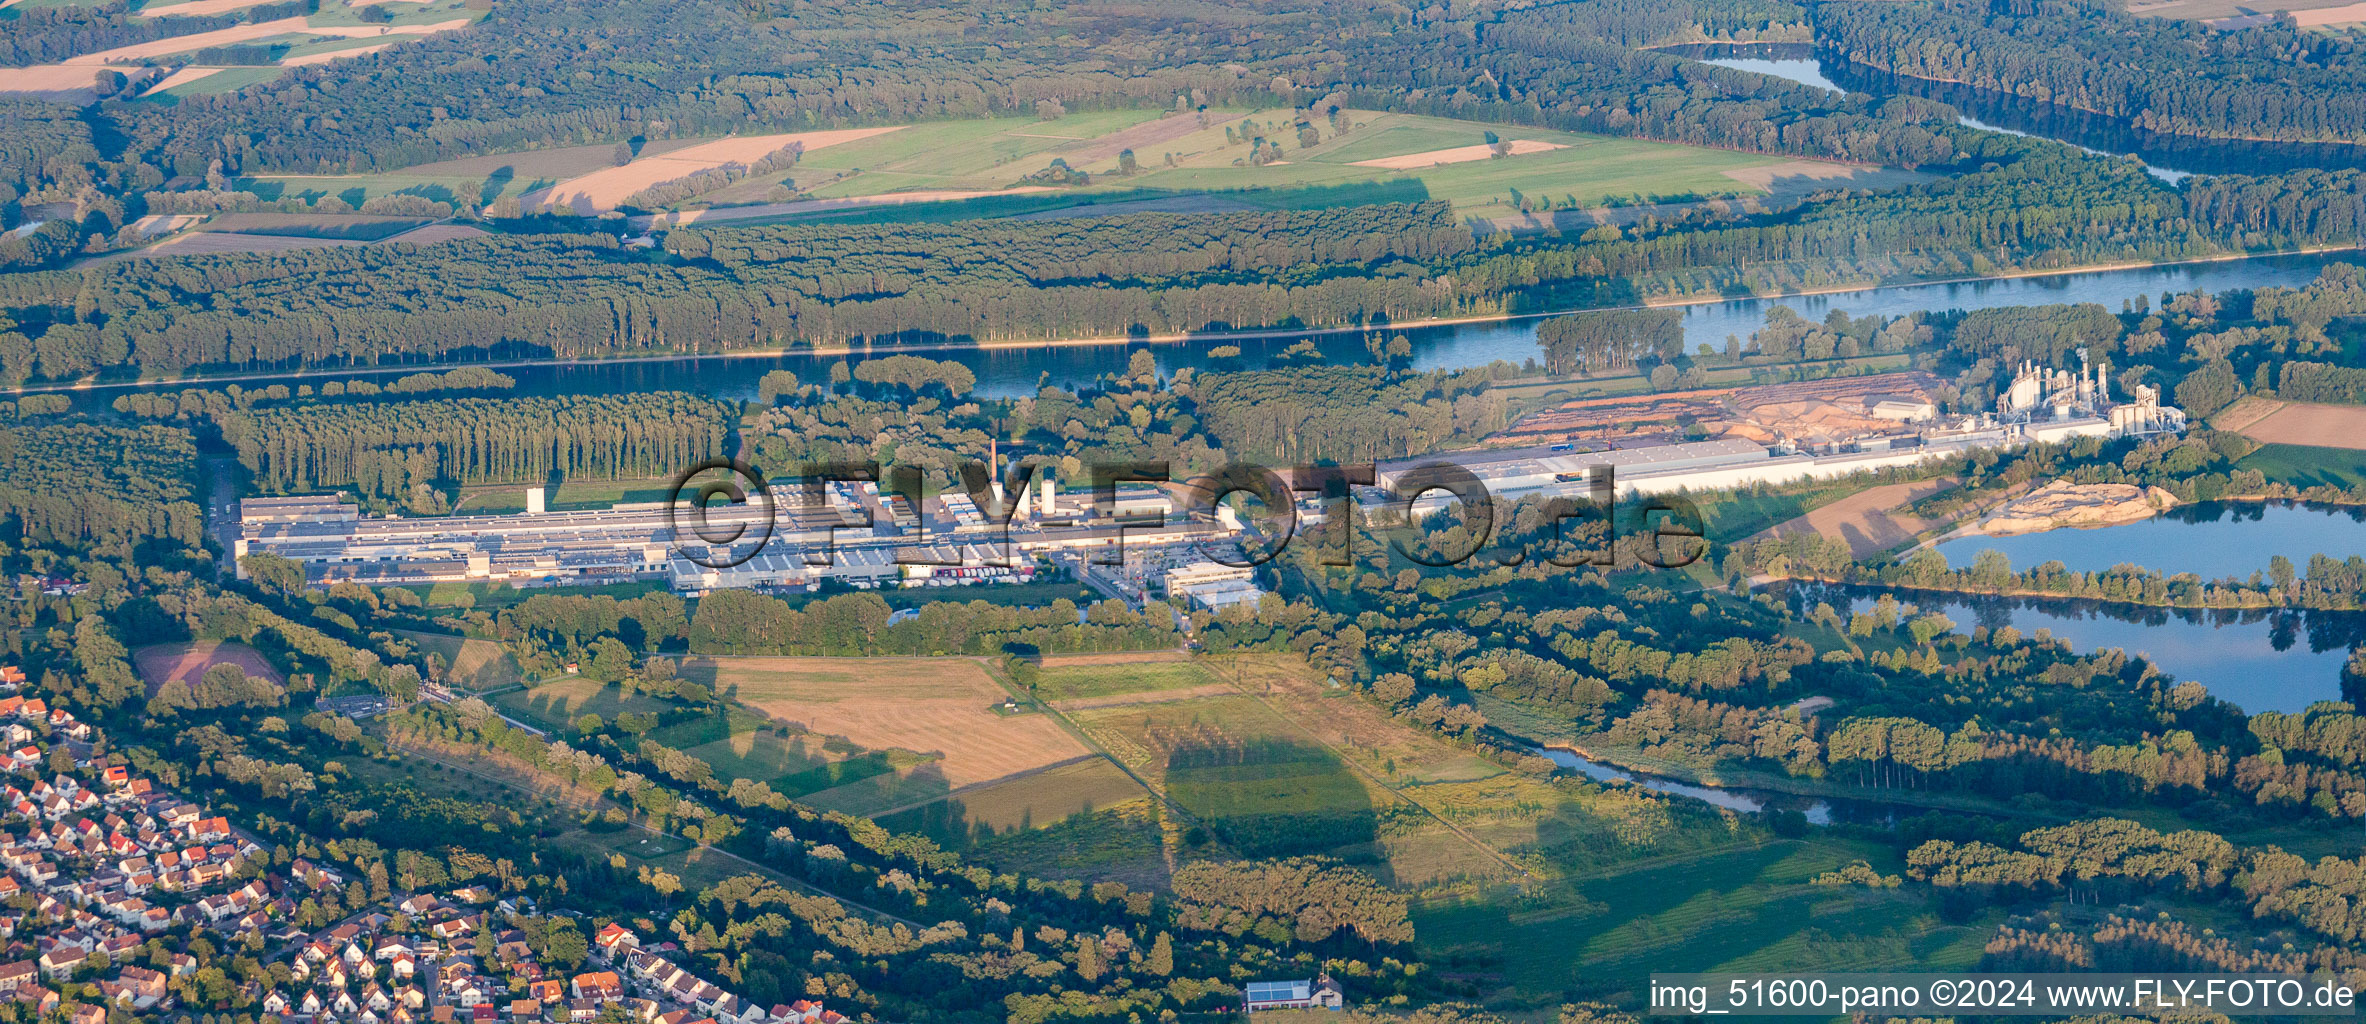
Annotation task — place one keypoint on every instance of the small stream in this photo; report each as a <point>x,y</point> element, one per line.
<point>1819,811</point>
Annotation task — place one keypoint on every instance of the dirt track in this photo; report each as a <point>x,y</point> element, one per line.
<point>1869,521</point>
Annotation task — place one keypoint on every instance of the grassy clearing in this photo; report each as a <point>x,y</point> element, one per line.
<point>1069,682</point>
<point>471,665</point>
<point>558,703</point>
<point>2307,466</point>
<point>698,867</point>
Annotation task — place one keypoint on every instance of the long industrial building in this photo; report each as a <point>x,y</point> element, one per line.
<point>947,542</point>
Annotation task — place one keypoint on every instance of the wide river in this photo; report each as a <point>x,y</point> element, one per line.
<point>1005,372</point>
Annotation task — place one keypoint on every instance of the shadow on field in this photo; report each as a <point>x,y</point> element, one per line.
<point>1270,796</point>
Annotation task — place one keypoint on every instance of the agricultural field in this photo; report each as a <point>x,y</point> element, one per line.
<point>606,189</point>
<point>471,665</point>
<point>1251,774</point>
<point>1870,521</point>
<point>1031,801</point>
<point>1745,908</point>
<point>2299,423</point>
<point>336,29</point>
<point>555,704</point>
<point>1086,679</point>
<point>2308,465</point>
<point>940,709</point>
<point>1124,843</point>
<point>188,662</point>
<point>1384,157</point>
<point>744,745</point>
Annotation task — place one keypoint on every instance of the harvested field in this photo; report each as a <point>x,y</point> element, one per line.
<point>362,31</point>
<point>1145,697</point>
<point>2246,411</point>
<point>429,234</point>
<point>357,226</point>
<point>762,210</point>
<point>1869,522</point>
<point>47,78</point>
<point>1457,155</point>
<point>188,43</point>
<point>604,190</point>
<point>929,706</point>
<point>183,77</point>
<point>206,243</point>
<point>1035,800</point>
<point>188,662</point>
<point>164,223</point>
<point>195,7</point>
<point>2308,423</point>
<point>323,58</point>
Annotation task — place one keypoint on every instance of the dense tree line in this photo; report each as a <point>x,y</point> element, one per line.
<point>739,622</point>
<point>583,295</point>
<point>98,491</point>
<point>47,35</point>
<point>392,448</point>
<point>2168,75</point>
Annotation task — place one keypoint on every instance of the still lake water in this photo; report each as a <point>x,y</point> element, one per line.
<point>2212,539</point>
<point>2259,660</point>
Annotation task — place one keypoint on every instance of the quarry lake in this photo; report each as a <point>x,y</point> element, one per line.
<point>1013,371</point>
<point>2260,660</point>
<point>2214,540</point>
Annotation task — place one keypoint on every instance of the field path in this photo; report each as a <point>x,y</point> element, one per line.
<point>1356,764</point>
<point>1215,836</point>
<point>974,786</point>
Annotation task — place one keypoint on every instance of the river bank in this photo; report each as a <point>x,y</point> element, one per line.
<point>1491,323</point>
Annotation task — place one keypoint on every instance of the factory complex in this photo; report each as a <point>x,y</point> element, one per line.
<point>851,533</point>
<point>1773,435</point>
<point>856,536</point>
